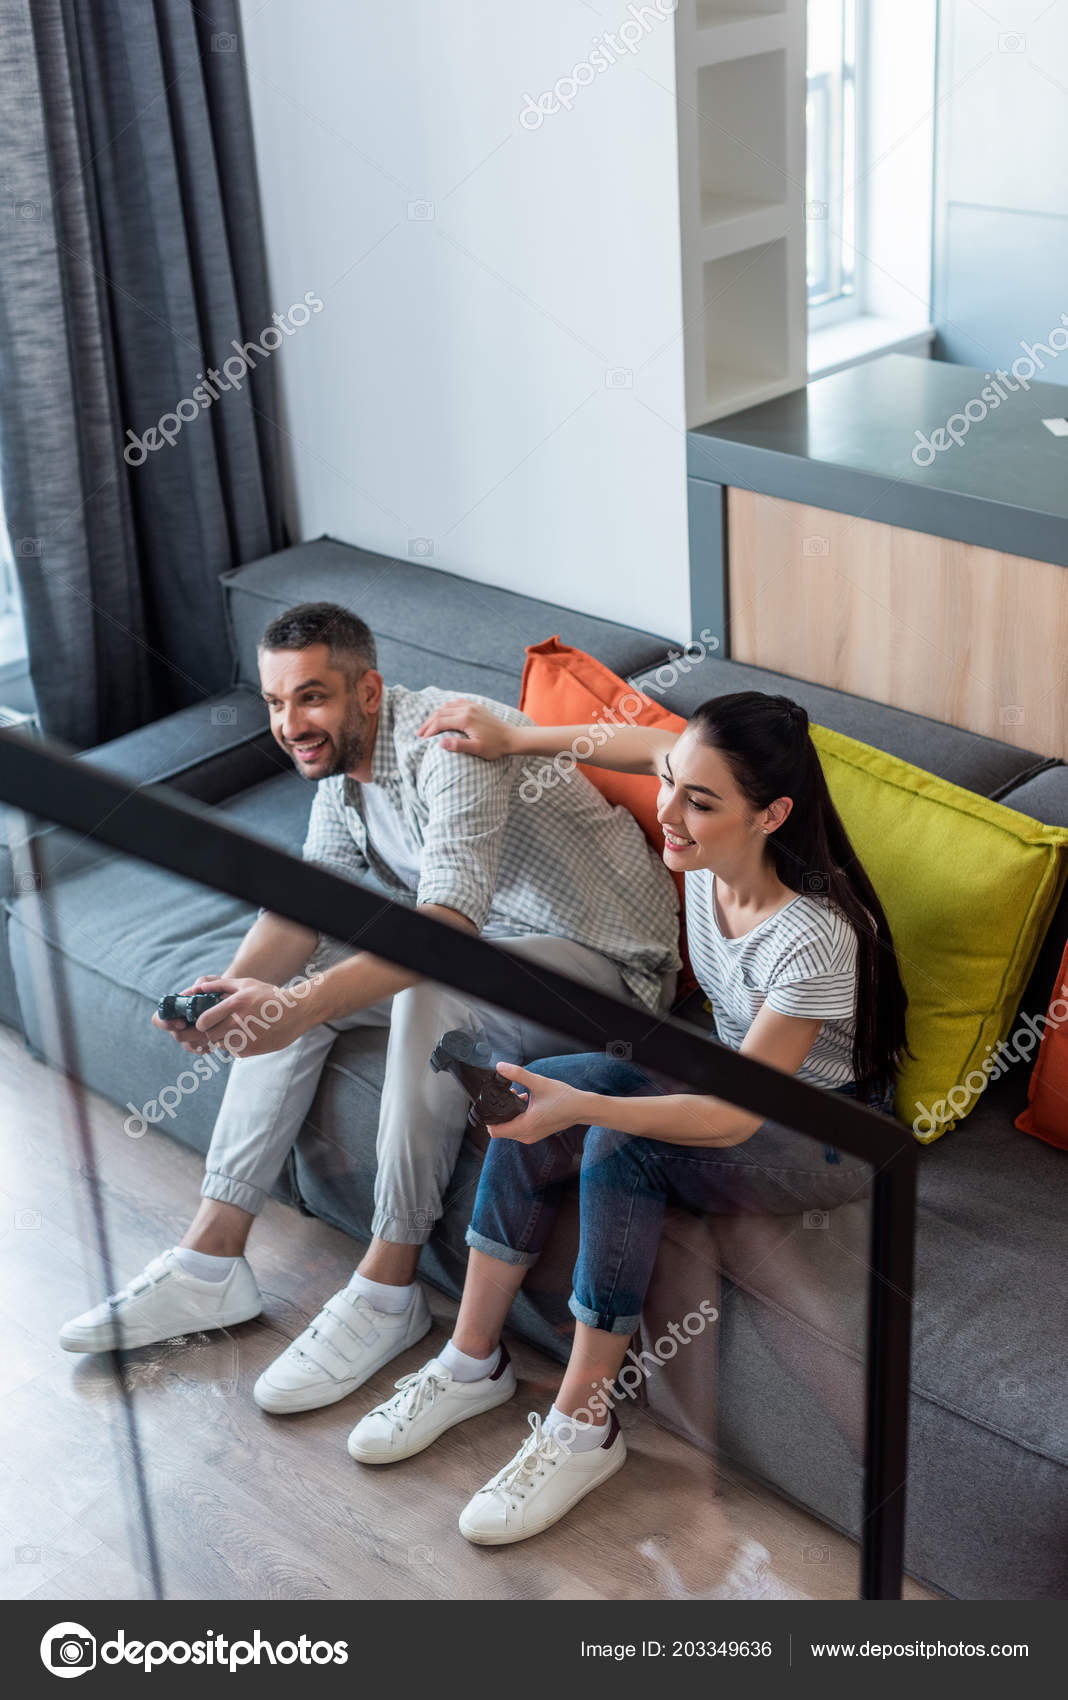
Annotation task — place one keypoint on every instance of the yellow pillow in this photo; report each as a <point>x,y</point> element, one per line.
<point>969,888</point>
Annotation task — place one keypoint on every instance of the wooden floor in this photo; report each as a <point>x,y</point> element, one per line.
<point>248,1506</point>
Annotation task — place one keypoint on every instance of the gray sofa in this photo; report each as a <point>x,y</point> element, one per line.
<point>988,1509</point>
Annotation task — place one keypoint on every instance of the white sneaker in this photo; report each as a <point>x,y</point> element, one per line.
<point>540,1485</point>
<point>424,1406</point>
<point>164,1300</point>
<point>348,1341</point>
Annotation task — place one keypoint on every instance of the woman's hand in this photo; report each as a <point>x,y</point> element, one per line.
<point>470,730</point>
<point>552,1105</point>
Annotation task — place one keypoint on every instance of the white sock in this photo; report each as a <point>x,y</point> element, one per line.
<point>463,1366</point>
<point>391,1300</point>
<point>202,1265</point>
<point>577,1436</point>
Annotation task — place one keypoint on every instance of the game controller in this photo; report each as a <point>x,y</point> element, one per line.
<point>187,1006</point>
<point>467,1059</point>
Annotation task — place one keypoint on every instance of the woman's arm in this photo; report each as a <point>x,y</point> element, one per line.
<point>469,728</point>
<point>678,1118</point>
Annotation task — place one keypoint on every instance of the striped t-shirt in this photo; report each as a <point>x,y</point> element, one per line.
<point>801,961</point>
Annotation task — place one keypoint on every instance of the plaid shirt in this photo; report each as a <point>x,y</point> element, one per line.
<point>568,863</point>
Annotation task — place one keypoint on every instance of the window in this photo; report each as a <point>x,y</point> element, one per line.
<point>831,174</point>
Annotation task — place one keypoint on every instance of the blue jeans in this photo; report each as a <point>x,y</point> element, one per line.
<point>625,1183</point>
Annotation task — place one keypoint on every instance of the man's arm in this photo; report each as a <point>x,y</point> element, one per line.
<point>365,978</point>
<point>273,950</point>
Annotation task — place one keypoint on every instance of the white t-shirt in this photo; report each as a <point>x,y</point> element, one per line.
<point>388,835</point>
<point>801,961</point>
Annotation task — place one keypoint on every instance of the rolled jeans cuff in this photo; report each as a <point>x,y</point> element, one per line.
<point>227,1191</point>
<point>604,1320</point>
<point>503,1253</point>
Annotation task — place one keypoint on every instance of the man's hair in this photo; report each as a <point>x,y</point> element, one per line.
<point>351,641</point>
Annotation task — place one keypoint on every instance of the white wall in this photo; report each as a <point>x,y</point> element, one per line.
<point>502,378</point>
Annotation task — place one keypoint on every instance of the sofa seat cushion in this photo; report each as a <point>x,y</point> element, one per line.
<point>127,932</point>
<point>432,627</point>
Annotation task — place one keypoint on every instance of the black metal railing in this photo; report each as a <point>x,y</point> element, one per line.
<point>166,829</point>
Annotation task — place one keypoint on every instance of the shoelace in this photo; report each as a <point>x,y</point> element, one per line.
<point>413,1392</point>
<point>515,1480</point>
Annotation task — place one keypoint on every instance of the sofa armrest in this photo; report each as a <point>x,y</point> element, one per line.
<point>209,751</point>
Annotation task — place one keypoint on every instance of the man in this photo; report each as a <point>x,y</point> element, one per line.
<point>453,836</point>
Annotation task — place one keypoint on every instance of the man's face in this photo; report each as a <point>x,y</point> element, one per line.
<point>322,717</point>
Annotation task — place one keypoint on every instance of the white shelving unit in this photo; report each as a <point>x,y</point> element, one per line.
<point>741,83</point>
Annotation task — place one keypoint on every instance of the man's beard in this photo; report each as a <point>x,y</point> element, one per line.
<point>349,747</point>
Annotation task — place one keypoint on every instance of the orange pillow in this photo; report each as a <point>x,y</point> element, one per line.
<point>1046,1115</point>
<point>564,687</point>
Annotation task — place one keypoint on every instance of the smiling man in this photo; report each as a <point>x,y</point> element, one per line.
<point>454,837</point>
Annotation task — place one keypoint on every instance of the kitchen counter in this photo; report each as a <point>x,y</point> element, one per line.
<point>846,443</point>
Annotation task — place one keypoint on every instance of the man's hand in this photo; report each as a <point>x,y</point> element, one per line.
<point>253,1018</point>
<point>188,1037</point>
<point>552,1105</point>
<point>470,730</point>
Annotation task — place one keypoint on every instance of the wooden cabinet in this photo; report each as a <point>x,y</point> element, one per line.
<point>964,634</point>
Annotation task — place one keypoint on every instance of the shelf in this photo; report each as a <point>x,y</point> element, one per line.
<point>746,319</point>
<point>731,222</point>
<point>742,131</point>
<point>737,35</point>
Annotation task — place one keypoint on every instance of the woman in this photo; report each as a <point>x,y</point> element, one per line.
<point>791,946</point>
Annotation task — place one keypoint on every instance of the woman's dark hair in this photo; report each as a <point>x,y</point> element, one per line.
<point>766,744</point>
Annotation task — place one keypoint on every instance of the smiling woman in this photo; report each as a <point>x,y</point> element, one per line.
<point>791,946</point>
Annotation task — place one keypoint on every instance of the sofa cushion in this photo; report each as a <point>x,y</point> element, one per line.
<point>969,887</point>
<point>1046,1115</point>
<point>432,627</point>
<point>127,932</point>
<point>563,686</point>
<point>981,764</point>
<point>1045,797</point>
<point>988,1424</point>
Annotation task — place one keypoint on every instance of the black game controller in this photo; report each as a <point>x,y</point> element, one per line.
<point>467,1059</point>
<point>187,1006</point>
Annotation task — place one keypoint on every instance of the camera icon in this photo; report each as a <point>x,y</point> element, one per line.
<point>1011,715</point>
<point>1010,1387</point>
<point>27,546</point>
<point>619,378</point>
<point>423,1219</point>
<point>27,1218</point>
<point>27,209</point>
<point>619,1049</point>
<point>816,1219</point>
<point>815,546</point>
<point>28,882</point>
<point>422,210</point>
<point>420,1555</point>
<point>27,1555</point>
<point>225,43</point>
<point>815,209</point>
<point>815,1555</point>
<point>814,881</point>
<point>224,714</point>
<point>421,547</point>
<point>68,1649</point>
<point>1012,43</point>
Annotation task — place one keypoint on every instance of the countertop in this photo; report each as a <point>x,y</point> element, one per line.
<point>847,442</point>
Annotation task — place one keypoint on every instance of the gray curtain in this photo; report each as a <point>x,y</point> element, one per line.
<point>131,257</point>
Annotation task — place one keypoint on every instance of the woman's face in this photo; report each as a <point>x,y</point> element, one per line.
<point>705,819</point>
